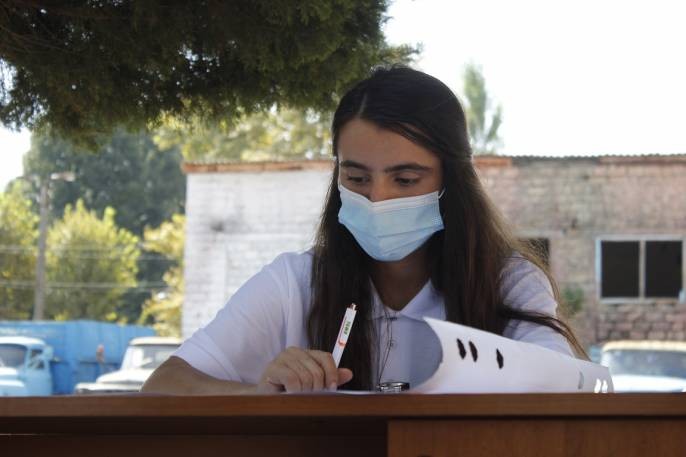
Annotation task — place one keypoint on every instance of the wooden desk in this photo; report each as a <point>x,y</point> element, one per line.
<point>623,425</point>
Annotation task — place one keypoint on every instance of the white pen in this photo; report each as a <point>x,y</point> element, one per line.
<point>343,333</point>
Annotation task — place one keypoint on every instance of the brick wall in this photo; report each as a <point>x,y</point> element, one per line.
<point>575,201</point>
<point>241,217</point>
<point>653,320</point>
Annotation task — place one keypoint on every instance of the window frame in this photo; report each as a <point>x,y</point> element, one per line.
<point>641,240</point>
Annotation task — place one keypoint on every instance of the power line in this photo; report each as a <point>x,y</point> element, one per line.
<point>32,251</point>
<point>98,257</point>
<point>84,247</point>
<point>30,284</point>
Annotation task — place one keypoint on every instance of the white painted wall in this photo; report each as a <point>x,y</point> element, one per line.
<point>237,223</point>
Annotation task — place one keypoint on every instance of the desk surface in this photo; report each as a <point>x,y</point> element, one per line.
<point>396,425</point>
<point>361,414</point>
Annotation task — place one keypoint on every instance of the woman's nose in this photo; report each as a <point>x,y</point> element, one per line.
<point>378,193</point>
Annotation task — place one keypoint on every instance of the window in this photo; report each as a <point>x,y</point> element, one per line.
<point>620,269</point>
<point>36,359</point>
<point>147,356</point>
<point>12,355</point>
<point>664,265</point>
<point>640,268</point>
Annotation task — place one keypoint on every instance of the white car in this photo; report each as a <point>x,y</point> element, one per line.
<point>141,358</point>
<point>646,366</point>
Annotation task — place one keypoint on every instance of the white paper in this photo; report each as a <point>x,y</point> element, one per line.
<point>471,364</point>
<point>475,367</point>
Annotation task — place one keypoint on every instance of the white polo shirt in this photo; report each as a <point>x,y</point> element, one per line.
<point>269,313</point>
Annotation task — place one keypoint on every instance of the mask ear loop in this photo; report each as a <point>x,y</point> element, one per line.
<point>338,171</point>
<point>439,205</point>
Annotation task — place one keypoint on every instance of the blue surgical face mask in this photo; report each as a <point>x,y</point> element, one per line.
<point>390,230</point>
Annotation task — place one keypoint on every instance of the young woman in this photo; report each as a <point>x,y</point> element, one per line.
<point>407,231</point>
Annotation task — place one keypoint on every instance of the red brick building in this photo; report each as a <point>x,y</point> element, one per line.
<point>613,226</point>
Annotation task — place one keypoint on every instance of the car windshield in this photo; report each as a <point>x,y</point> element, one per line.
<point>148,356</point>
<point>645,362</point>
<point>12,355</point>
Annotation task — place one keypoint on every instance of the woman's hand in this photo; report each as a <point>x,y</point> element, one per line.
<point>302,370</point>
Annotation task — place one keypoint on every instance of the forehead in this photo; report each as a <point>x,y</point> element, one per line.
<point>367,143</point>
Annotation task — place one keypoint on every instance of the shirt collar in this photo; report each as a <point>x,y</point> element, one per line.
<point>427,302</point>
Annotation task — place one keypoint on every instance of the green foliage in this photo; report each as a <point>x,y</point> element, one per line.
<point>17,254</point>
<point>572,300</point>
<point>168,239</point>
<point>483,122</point>
<point>163,310</point>
<point>90,264</point>
<point>270,135</point>
<point>130,173</point>
<point>87,67</point>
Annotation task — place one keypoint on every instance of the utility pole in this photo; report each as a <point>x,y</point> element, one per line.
<point>44,205</point>
<point>39,292</point>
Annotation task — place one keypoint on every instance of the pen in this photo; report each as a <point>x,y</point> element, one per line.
<point>343,333</point>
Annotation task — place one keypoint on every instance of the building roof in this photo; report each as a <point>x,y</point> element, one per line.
<point>603,159</point>
<point>481,161</point>
<point>645,345</point>
<point>233,167</point>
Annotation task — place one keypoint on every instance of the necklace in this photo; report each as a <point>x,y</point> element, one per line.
<point>389,333</point>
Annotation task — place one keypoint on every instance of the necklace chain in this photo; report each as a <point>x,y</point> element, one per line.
<point>389,344</point>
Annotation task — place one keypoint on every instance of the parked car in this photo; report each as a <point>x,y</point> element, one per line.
<point>594,352</point>
<point>646,366</point>
<point>141,358</point>
<point>46,358</point>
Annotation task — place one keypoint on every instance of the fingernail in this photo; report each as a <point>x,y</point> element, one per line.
<point>333,387</point>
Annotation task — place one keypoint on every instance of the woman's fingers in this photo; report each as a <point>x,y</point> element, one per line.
<point>299,370</point>
<point>300,362</point>
<point>310,372</point>
<point>315,370</point>
<point>344,375</point>
<point>328,366</point>
<point>279,374</point>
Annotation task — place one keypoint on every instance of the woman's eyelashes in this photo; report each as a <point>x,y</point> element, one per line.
<point>406,182</point>
<point>402,181</point>
<point>357,179</point>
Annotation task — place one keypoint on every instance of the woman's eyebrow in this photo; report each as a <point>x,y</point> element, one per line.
<point>353,164</point>
<point>413,166</point>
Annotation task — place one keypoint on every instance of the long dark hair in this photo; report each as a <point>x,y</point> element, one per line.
<point>465,260</point>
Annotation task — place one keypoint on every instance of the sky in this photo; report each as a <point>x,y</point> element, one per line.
<point>573,78</point>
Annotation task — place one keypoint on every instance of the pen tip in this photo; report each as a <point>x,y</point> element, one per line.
<point>353,306</point>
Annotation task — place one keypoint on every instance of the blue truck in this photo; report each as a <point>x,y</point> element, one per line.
<point>51,357</point>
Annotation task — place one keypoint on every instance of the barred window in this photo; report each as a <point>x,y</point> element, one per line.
<point>641,268</point>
